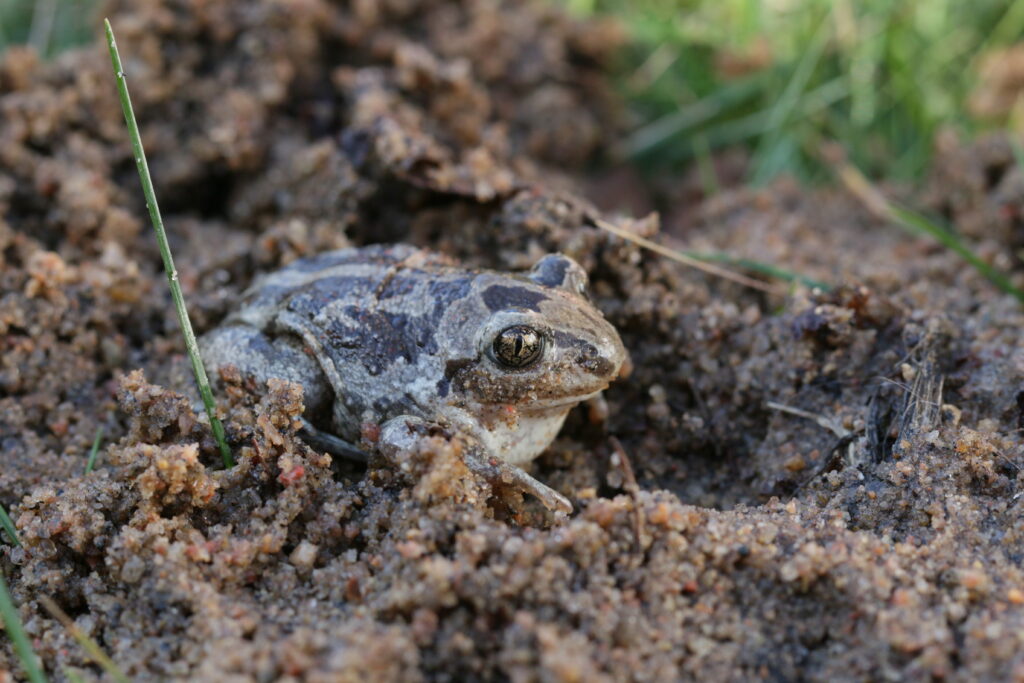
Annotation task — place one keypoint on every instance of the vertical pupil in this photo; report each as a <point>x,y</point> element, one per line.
<point>517,346</point>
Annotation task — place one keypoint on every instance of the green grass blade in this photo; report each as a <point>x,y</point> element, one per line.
<point>165,251</point>
<point>761,268</point>
<point>8,525</point>
<point>73,676</point>
<point>917,224</point>
<point>658,132</point>
<point>4,40</point>
<point>706,166</point>
<point>1009,28</point>
<point>775,148</point>
<point>94,450</point>
<point>41,30</point>
<point>90,646</point>
<point>1018,154</point>
<point>756,124</point>
<point>16,632</point>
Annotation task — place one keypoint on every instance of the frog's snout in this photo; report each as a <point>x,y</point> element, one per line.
<point>599,356</point>
<point>602,359</point>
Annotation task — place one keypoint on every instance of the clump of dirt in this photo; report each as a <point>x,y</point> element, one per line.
<point>828,482</point>
<point>980,188</point>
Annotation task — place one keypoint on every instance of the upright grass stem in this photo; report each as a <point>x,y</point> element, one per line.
<point>8,526</point>
<point>165,251</point>
<point>16,632</point>
<point>91,463</point>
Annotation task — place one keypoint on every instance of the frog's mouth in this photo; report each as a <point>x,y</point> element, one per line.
<point>544,405</point>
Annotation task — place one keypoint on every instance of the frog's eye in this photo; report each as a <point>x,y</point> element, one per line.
<point>518,346</point>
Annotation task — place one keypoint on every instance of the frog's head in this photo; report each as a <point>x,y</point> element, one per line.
<point>539,344</point>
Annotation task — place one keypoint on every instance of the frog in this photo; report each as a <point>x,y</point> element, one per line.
<point>404,340</point>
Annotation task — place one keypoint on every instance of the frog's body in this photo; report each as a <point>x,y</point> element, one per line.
<point>381,333</point>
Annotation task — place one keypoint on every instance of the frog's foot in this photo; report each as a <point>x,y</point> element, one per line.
<point>401,433</point>
<point>496,471</point>
<point>329,443</point>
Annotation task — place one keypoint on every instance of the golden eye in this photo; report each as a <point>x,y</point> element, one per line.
<point>518,346</point>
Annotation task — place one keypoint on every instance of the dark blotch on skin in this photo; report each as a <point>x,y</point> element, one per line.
<point>455,366</point>
<point>550,270</point>
<point>311,299</point>
<point>596,365</point>
<point>381,338</point>
<point>454,373</point>
<point>259,344</point>
<point>394,406</point>
<point>445,292</point>
<point>398,286</point>
<point>502,298</point>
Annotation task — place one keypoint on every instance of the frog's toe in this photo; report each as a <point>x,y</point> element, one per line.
<point>498,471</point>
<point>550,498</point>
<point>329,443</point>
<point>400,434</point>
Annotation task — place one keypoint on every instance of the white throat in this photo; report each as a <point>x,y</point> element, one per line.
<point>515,437</point>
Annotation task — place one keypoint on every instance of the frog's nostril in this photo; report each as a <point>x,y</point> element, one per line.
<point>593,361</point>
<point>596,355</point>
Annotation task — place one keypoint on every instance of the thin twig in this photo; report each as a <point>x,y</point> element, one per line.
<point>94,450</point>
<point>688,257</point>
<point>90,646</point>
<point>845,437</point>
<point>911,390</point>
<point>923,404</point>
<point>823,422</point>
<point>687,260</point>
<point>620,458</point>
<point>16,632</point>
<point>165,251</point>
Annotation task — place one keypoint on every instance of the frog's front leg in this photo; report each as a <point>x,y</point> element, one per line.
<point>402,433</point>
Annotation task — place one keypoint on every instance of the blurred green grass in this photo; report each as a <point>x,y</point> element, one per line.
<point>779,77</point>
<point>50,26</point>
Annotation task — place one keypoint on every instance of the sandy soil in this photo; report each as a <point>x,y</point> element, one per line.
<point>876,535</point>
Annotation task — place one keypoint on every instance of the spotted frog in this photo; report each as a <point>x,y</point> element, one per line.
<point>405,339</point>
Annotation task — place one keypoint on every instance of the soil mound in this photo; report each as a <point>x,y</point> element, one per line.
<point>829,483</point>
